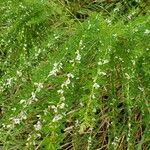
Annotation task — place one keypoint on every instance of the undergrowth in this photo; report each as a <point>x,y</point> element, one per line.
<point>69,84</point>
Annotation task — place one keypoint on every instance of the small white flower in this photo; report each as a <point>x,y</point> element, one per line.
<point>102,62</point>
<point>62,98</point>
<point>53,72</point>
<point>96,86</point>
<point>135,30</point>
<point>60,91</point>
<point>38,126</point>
<point>38,135</point>
<point>9,81</point>
<point>57,118</point>
<point>39,86</point>
<point>23,79</point>
<point>34,96</point>
<point>127,76</point>
<point>141,89</point>
<point>66,83</point>
<point>70,75</point>
<point>93,96</point>
<point>19,73</point>
<point>3,125</point>
<point>105,61</point>
<point>23,115</point>
<point>116,9</point>
<point>22,101</point>
<point>109,21</point>
<point>129,16</point>
<point>114,35</point>
<point>16,121</point>
<point>78,57</point>
<point>62,105</point>
<point>102,73</point>
<point>81,104</point>
<point>71,61</point>
<point>56,68</point>
<point>133,62</point>
<point>13,109</point>
<point>9,126</point>
<point>147,31</point>
<point>54,108</point>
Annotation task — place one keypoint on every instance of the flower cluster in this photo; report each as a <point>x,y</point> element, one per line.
<point>56,69</point>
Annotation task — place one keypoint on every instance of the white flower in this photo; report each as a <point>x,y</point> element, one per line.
<point>23,79</point>
<point>81,104</point>
<point>13,109</point>
<point>16,121</point>
<point>102,73</point>
<point>96,86</point>
<point>114,35</point>
<point>78,57</point>
<point>22,101</point>
<point>93,96</point>
<point>23,115</point>
<point>57,118</point>
<point>53,72</point>
<point>129,16</point>
<point>38,126</point>
<point>105,61</point>
<point>141,89</point>
<point>60,66</point>
<point>66,83</point>
<point>60,91</point>
<point>39,86</point>
<point>62,98</point>
<point>56,68</point>
<point>109,21</point>
<point>102,62</point>
<point>147,31</point>
<point>62,105</point>
<point>54,108</point>
<point>71,61</point>
<point>19,73</point>
<point>9,81</point>
<point>34,96</point>
<point>116,9</point>
<point>9,126</point>
<point>38,135</point>
<point>127,76</point>
<point>70,75</point>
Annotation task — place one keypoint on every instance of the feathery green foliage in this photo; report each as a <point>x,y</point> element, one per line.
<point>67,84</point>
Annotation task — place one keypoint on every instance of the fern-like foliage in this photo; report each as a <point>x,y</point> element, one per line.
<point>86,90</point>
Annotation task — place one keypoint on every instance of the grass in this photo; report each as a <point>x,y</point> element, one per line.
<point>74,82</point>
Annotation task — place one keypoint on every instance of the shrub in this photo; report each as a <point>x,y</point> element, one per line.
<point>90,91</point>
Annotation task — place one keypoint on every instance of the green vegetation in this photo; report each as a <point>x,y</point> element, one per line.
<point>74,75</point>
